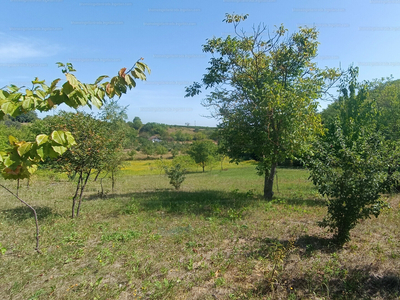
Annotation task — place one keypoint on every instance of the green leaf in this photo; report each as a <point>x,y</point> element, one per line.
<point>3,95</point>
<point>96,102</point>
<point>8,108</point>
<point>140,66</point>
<point>141,75</point>
<point>70,139</point>
<point>41,139</point>
<point>59,137</point>
<point>101,94</point>
<point>130,81</point>
<point>135,74</point>
<point>37,81</point>
<point>24,148</point>
<point>54,84</point>
<point>41,152</point>
<point>13,88</point>
<point>100,78</point>
<point>72,80</point>
<point>12,140</point>
<point>32,169</point>
<point>59,149</point>
<point>8,161</point>
<point>67,88</point>
<point>28,103</point>
<point>145,66</point>
<point>41,94</point>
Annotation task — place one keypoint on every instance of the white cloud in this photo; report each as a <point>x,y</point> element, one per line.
<point>16,49</point>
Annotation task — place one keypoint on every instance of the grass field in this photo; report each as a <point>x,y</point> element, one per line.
<point>215,239</point>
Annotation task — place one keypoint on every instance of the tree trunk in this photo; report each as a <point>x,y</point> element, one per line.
<point>269,182</point>
<point>17,186</point>
<point>76,194</point>
<point>112,181</point>
<point>97,175</point>
<point>83,185</point>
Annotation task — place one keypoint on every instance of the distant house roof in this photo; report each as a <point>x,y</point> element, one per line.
<point>155,139</point>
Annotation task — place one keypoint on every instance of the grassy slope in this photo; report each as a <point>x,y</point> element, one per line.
<point>215,239</point>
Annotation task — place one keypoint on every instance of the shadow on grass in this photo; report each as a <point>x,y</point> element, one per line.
<point>309,244</point>
<point>329,279</point>
<point>22,213</point>
<point>362,282</point>
<point>270,248</point>
<point>306,245</point>
<point>300,202</point>
<point>206,202</point>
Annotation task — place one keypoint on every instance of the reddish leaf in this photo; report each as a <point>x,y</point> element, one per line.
<point>13,172</point>
<point>122,72</point>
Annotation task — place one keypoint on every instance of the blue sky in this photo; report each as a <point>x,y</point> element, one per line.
<point>100,37</point>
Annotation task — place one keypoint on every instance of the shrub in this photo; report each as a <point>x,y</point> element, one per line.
<point>176,175</point>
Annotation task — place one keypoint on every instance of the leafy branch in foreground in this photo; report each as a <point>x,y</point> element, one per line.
<point>19,160</point>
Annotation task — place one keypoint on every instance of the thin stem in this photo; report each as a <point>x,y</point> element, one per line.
<point>34,213</point>
<point>83,185</point>
<point>17,186</point>
<point>76,194</point>
<point>133,66</point>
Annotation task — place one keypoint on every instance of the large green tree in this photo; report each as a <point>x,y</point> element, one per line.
<point>265,93</point>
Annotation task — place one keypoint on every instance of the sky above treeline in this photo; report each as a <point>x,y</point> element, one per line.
<point>100,37</point>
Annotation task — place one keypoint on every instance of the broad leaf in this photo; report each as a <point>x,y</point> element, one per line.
<point>28,103</point>
<point>41,139</point>
<point>72,80</point>
<point>32,169</point>
<point>8,161</point>
<point>96,102</point>
<point>59,149</point>
<point>70,138</point>
<point>24,148</point>
<point>59,137</point>
<point>140,66</point>
<point>130,81</point>
<point>8,108</point>
<point>12,140</point>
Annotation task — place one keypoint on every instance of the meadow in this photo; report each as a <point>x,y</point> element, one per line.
<point>216,238</point>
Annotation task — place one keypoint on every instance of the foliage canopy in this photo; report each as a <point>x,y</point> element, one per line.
<point>265,93</point>
<point>349,162</point>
